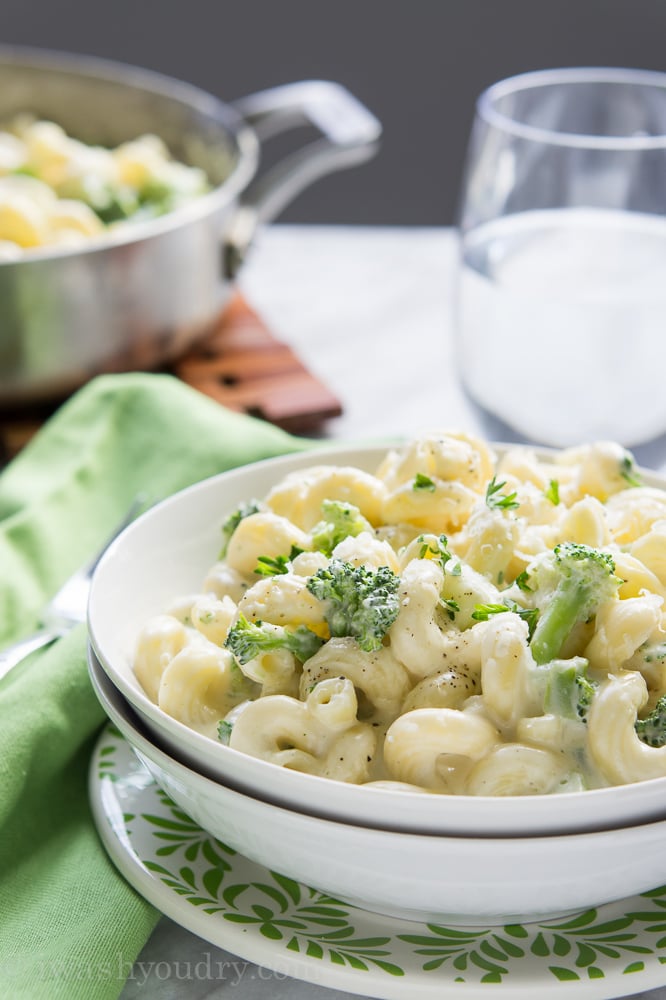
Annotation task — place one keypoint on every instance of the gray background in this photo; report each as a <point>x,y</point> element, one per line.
<point>418,64</point>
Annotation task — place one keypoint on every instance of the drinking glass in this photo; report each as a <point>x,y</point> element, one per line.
<point>561,293</point>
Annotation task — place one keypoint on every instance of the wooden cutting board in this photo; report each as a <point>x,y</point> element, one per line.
<point>241,365</point>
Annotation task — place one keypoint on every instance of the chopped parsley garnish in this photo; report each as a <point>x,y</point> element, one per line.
<point>275,566</point>
<point>628,471</point>
<point>522,584</point>
<point>442,553</point>
<point>450,606</point>
<point>500,501</point>
<point>552,492</point>
<point>483,612</point>
<point>424,483</point>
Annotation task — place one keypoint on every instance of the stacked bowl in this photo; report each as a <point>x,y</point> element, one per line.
<point>402,853</point>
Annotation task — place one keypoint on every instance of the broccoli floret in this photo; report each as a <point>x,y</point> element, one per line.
<point>569,691</point>
<point>584,578</point>
<point>232,522</point>
<point>652,729</point>
<point>340,521</point>
<point>362,602</point>
<point>113,204</point>
<point>246,640</point>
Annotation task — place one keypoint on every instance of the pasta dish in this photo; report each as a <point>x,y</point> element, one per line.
<point>461,621</point>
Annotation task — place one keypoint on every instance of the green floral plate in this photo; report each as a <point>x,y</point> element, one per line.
<point>263,917</point>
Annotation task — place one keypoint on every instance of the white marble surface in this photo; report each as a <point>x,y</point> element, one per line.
<point>368,310</point>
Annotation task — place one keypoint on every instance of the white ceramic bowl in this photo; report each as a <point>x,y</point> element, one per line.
<point>168,551</point>
<point>457,879</point>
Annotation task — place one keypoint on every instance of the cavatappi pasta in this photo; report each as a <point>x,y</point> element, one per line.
<point>58,191</point>
<point>457,622</point>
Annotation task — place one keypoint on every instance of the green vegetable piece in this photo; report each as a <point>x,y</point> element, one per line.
<point>552,492</point>
<point>500,501</point>
<point>483,612</point>
<point>450,606</point>
<point>569,691</point>
<point>115,205</point>
<point>442,552</point>
<point>247,640</point>
<point>585,579</point>
<point>361,603</point>
<point>158,196</point>
<point>224,729</point>
<point>269,566</point>
<point>422,482</point>
<point>242,511</point>
<point>653,651</point>
<point>629,472</point>
<point>341,520</point>
<point>652,729</point>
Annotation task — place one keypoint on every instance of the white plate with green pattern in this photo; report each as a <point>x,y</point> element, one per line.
<point>263,917</point>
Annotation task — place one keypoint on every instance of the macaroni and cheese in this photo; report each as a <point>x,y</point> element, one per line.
<point>58,191</point>
<point>459,622</point>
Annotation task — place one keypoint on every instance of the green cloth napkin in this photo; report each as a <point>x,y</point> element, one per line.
<point>70,926</point>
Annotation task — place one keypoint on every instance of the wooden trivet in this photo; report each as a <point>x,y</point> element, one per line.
<point>241,365</point>
<point>244,367</point>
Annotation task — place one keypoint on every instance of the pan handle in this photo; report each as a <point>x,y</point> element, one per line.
<point>350,136</point>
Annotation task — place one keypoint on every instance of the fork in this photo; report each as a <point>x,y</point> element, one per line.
<point>67,608</point>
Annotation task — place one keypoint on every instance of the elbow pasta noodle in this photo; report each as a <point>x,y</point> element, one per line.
<point>487,543</point>
<point>56,191</point>
<point>319,735</point>
<point>450,689</point>
<point>650,549</point>
<point>195,687</point>
<point>423,673</point>
<point>517,769</point>
<point>506,666</point>
<point>631,513</point>
<point>622,627</point>
<point>300,495</point>
<point>161,639</point>
<point>380,681</point>
<point>616,749</point>
<point>262,534</point>
<point>213,617</point>
<point>366,550</point>
<point>283,600</point>
<point>430,746</point>
<point>584,522</point>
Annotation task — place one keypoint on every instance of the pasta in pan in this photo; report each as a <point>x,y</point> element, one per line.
<point>457,622</point>
<point>56,191</point>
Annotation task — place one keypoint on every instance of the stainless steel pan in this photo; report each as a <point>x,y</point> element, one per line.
<point>137,300</point>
